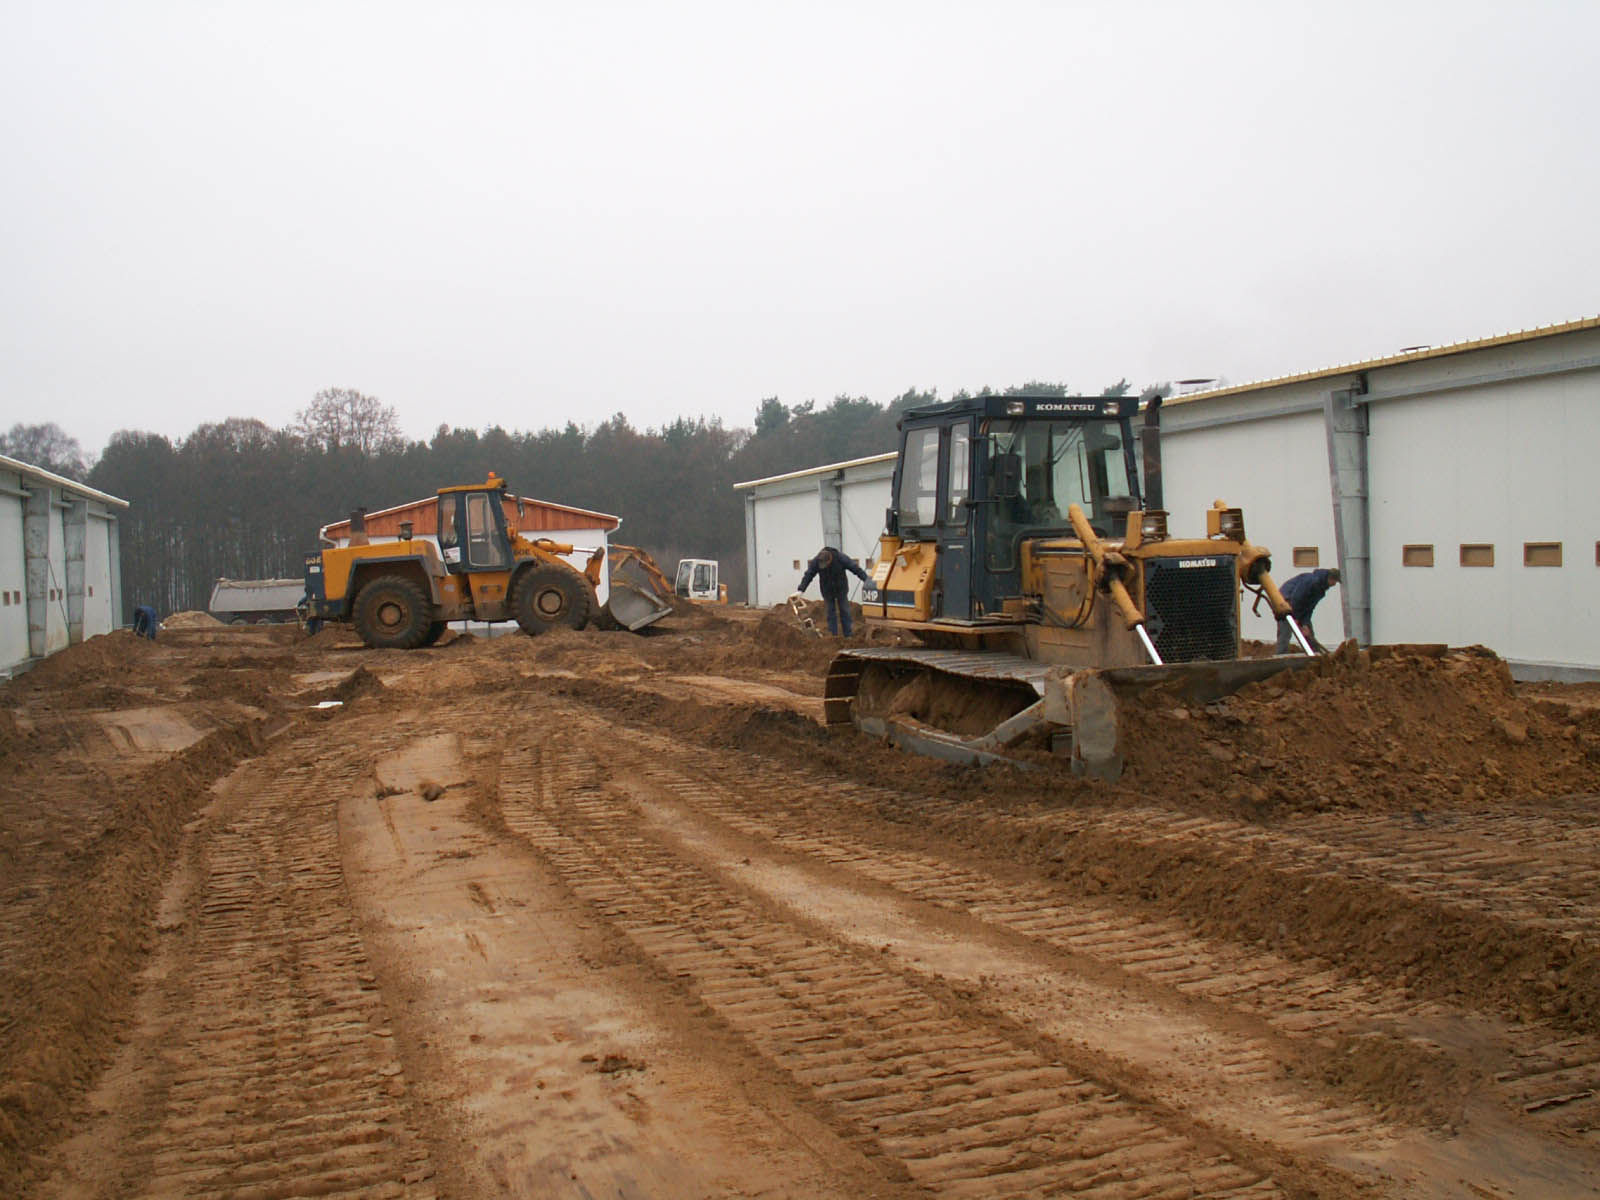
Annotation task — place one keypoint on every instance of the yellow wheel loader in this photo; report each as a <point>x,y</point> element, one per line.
<point>401,594</point>
<point>1034,567</point>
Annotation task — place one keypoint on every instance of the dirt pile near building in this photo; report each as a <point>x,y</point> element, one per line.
<point>97,660</point>
<point>191,619</point>
<point>1383,729</point>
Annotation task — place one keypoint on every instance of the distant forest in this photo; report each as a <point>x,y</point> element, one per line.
<point>241,500</point>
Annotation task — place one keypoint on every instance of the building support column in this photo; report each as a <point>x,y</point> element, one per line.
<point>1345,416</point>
<point>830,490</point>
<point>36,559</point>
<point>76,527</point>
<point>114,559</point>
<point>752,569</point>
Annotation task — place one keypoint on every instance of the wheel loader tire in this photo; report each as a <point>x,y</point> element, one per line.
<point>392,613</point>
<point>435,632</point>
<point>551,597</point>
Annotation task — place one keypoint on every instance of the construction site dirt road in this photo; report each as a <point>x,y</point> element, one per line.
<point>594,914</point>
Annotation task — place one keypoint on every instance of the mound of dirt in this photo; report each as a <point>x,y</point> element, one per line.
<point>777,642</point>
<point>90,661</point>
<point>361,682</point>
<point>1384,729</point>
<point>191,619</point>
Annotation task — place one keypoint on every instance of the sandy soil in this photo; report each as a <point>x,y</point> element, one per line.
<point>598,914</point>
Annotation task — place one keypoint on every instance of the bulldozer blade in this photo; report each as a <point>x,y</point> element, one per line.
<point>1077,708</point>
<point>1202,682</point>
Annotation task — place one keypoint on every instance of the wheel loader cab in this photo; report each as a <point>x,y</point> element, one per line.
<point>975,478</point>
<point>472,530</point>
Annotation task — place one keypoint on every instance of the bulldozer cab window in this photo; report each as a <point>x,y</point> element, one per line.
<point>1062,463</point>
<point>918,502</point>
<point>703,582</point>
<point>959,473</point>
<point>486,547</point>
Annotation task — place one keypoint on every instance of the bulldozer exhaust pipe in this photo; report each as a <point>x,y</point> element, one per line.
<point>1150,445</point>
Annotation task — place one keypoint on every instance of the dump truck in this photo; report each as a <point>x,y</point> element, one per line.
<point>401,594</point>
<point>1034,570</point>
<point>255,601</point>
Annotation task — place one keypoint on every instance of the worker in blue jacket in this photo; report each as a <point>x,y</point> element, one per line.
<point>145,621</point>
<point>830,568</point>
<point>1303,593</point>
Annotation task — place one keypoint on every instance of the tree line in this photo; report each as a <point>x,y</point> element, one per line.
<point>242,500</point>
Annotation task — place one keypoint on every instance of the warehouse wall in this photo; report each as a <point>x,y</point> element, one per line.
<point>99,612</point>
<point>785,523</point>
<point>788,531</point>
<point>1276,470</point>
<point>58,549</point>
<point>1498,466</point>
<point>864,500</point>
<point>55,629</point>
<point>13,580</point>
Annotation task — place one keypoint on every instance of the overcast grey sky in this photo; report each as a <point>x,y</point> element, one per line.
<point>529,213</point>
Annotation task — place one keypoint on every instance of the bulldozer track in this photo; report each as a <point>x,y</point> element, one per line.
<point>269,1068</point>
<point>1553,1080</point>
<point>965,1109</point>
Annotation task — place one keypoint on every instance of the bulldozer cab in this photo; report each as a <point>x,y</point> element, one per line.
<point>472,528</point>
<point>979,476</point>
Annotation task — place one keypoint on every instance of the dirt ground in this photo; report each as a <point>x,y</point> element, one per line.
<point>598,914</point>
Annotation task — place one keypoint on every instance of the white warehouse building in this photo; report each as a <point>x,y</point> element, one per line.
<point>1453,486</point>
<point>60,563</point>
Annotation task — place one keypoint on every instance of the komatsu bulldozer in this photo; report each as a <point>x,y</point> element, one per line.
<point>401,594</point>
<point>1034,567</point>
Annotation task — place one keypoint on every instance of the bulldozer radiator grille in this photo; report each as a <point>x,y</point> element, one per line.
<point>1192,607</point>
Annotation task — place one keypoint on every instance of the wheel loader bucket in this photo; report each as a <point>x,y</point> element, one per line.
<point>635,602</point>
<point>899,693</point>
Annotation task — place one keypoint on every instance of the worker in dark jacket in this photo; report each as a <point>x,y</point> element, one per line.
<point>1303,594</point>
<point>830,568</point>
<point>145,621</point>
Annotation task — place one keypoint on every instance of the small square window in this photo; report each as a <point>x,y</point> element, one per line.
<point>1306,556</point>
<point>1416,556</point>
<point>91,589</point>
<point>1477,554</point>
<point>797,564</point>
<point>1541,554</point>
<point>8,600</point>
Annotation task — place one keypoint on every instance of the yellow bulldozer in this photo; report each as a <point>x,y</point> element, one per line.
<point>401,594</point>
<point>1033,567</point>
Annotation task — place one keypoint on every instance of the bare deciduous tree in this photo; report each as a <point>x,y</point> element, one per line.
<point>47,446</point>
<point>343,418</point>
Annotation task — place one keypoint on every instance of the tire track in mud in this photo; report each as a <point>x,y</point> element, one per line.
<point>1553,1081</point>
<point>270,1069</point>
<point>963,1108</point>
<point>1289,1000</point>
<point>1288,995</point>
